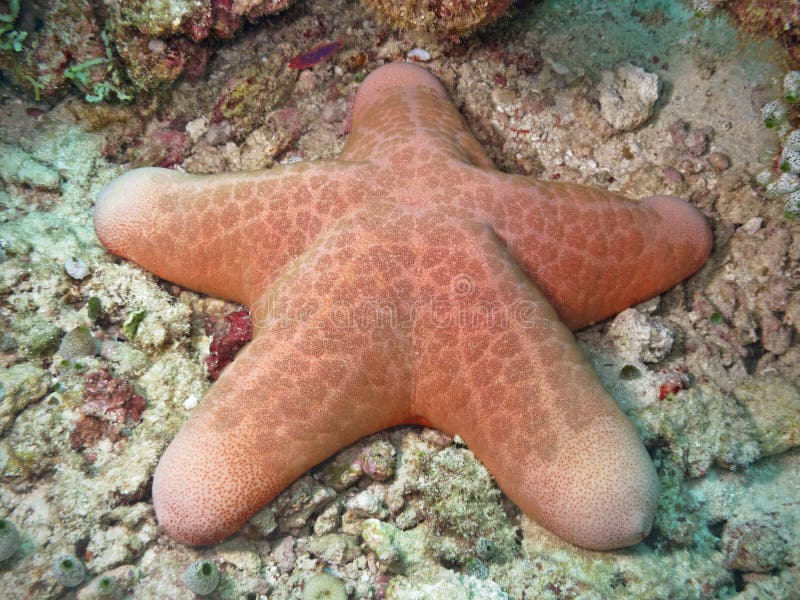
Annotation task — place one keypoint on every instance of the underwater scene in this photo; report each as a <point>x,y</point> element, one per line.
<point>373,299</point>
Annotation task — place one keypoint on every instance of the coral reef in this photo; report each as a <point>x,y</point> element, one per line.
<point>777,18</point>
<point>125,48</point>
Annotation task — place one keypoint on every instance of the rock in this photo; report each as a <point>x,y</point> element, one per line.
<point>20,385</point>
<point>627,96</point>
<point>719,161</point>
<point>263,522</point>
<point>367,504</point>
<point>328,520</point>
<point>753,546</point>
<point>17,166</point>
<point>752,225</point>
<point>283,553</point>
<point>773,405</point>
<point>639,337</point>
<point>334,548</point>
<point>76,268</point>
<point>379,537</point>
<point>295,506</point>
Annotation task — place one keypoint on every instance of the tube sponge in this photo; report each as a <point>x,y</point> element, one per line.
<point>201,577</point>
<point>69,571</point>
<point>324,587</point>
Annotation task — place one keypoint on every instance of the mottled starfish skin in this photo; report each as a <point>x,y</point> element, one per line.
<point>407,282</point>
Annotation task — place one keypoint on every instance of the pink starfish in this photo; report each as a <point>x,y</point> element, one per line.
<point>407,281</point>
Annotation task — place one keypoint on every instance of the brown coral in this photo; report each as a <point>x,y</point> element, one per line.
<point>457,17</point>
<point>777,18</point>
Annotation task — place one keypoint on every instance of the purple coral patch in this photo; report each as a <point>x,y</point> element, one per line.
<point>227,340</point>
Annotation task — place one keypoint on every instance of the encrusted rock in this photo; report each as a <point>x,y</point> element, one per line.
<point>334,548</point>
<point>627,96</point>
<point>263,522</point>
<point>639,337</point>
<point>20,385</point>
<point>703,426</point>
<point>17,166</point>
<point>328,520</point>
<point>380,538</point>
<point>754,546</point>
<point>295,506</point>
<point>378,460</point>
<point>463,504</point>
<point>283,553</point>
<point>773,405</point>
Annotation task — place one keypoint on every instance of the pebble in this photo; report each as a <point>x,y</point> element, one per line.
<point>638,337</point>
<point>156,45</point>
<point>752,225</point>
<point>719,161</point>
<point>419,55</point>
<point>76,268</point>
<point>627,96</point>
<point>672,174</point>
<point>283,553</point>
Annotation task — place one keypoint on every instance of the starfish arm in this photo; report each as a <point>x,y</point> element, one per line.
<point>320,373</point>
<point>593,252</point>
<point>403,116</point>
<point>500,370</point>
<point>224,235</point>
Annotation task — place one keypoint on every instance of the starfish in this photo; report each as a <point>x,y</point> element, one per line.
<point>407,281</point>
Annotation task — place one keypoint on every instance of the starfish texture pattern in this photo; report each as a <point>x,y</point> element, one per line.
<point>408,281</point>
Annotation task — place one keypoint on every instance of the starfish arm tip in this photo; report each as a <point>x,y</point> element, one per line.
<point>688,225</point>
<point>609,484</point>
<point>118,211</point>
<point>394,75</point>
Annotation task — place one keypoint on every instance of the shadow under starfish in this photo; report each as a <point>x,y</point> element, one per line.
<point>408,281</point>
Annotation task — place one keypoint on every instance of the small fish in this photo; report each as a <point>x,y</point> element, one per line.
<point>316,55</point>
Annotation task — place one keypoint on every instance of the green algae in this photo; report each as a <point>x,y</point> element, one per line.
<point>131,324</point>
